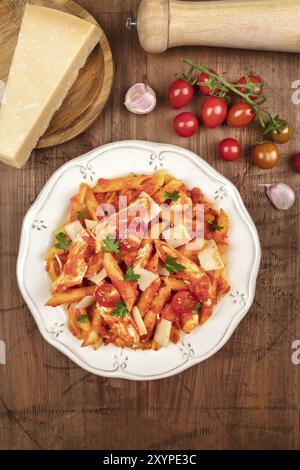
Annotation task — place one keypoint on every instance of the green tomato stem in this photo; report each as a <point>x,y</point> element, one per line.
<point>231,87</point>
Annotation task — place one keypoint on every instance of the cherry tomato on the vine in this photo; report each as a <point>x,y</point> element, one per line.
<point>240,114</point>
<point>205,89</point>
<point>185,124</point>
<point>229,149</point>
<point>297,162</point>
<point>213,111</point>
<point>107,295</point>
<point>180,93</point>
<point>184,301</point>
<point>253,79</point>
<point>265,155</point>
<point>283,135</point>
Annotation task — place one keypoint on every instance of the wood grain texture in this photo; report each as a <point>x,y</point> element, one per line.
<point>226,23</point>
<point>244,397</point>
<point>90,91</point>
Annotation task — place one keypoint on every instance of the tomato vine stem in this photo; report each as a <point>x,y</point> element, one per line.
<point>272,123</point>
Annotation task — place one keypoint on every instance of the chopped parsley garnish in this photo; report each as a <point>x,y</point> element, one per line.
<point>198,307</point>
<point>111,245</point>
<point>83,319</point>
<point>130,275</point>
<point>174,196</point>
<point>63,243</point>
<point>214,226</point>
<point>120,310</point>
<point>172,266</point>
<point>80,215</point>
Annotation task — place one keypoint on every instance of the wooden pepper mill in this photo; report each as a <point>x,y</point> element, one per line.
<point>272,25</point>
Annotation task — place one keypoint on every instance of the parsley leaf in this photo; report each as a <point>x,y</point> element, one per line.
<point>120,310</point>
<point>83,319</point>
<point>111,245</point>
<point>172,266</point>
<point>214,226</point>
<point>174,196</point>
<point>80,215</point>
<point>130,275</point>
<point>62,241</point>
<point>198,307</point>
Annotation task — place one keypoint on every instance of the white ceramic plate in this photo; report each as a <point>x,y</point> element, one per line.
<point>51,209</point>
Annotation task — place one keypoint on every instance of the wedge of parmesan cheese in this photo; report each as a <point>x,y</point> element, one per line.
<point>98,277</point>
<point>90,224</point>
<point>155,209</point>
<point>51,48</point>
<point>85,302</point>
<point>73,229</point>
<point>210,258</point>
<point>162,332</point>
<point>195,245</point>
<point>177,236</point>
<point>146,277</point>
<point>139,321</point>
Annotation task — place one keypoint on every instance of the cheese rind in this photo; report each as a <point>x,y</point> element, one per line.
<point>52,47</point>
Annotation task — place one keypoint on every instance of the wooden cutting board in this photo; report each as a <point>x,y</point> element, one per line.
<point>88,95</point>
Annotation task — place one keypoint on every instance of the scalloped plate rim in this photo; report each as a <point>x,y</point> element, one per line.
<point>202,164</point>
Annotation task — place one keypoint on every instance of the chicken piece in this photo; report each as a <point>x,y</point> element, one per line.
<point>94,263</point>
<point>144,254</point>
<point>75,268</point>
<point>194,276</point>
<point>122,328</point>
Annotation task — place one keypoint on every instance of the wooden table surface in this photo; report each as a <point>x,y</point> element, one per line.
<point>244,397</point>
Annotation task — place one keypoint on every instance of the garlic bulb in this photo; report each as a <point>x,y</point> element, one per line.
<point>281,195</point>
<point>140,99</point>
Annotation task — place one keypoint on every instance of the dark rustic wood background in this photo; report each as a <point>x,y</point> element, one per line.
<point>247,395</point>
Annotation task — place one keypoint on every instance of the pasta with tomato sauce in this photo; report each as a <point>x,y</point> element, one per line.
<point>125,284</point>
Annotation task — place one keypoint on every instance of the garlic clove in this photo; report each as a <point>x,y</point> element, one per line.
<point>140,99</point>
<point>281,195</point>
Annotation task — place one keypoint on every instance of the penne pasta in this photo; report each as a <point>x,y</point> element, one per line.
<point>173,185</point>
<point>70,296</point>
<point>127,289</point>
<point>147,296</point>
<point>155,308</point>
<point>91,204</point>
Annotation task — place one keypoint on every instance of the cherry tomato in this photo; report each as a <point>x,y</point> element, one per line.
<point>253,79</point>
<point>282,136</point>
<point>180,93</point>
<point>107,295</point>
<point>205,90</point>
<point>213,111</point>
<point>184,301</point>
<point>229,149</point>
<point>240,114</point>
<point>265,155</point>
<point>185,124</point>
<point>297,162</point>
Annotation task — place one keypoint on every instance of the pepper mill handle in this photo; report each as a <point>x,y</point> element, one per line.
<point>272,25</point>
